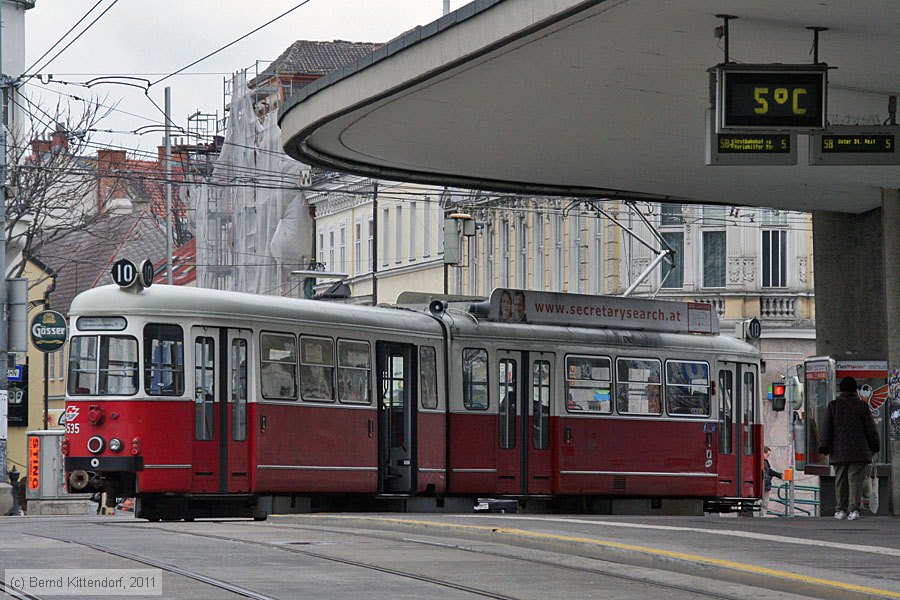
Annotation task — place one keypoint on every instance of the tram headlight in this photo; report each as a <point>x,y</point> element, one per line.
<point>95,445</point>
<point>115,445</point>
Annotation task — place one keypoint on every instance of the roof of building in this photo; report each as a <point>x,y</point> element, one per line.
<point>305,57</point>
<point>146,180</point>
<point>184,266</point>
<point>82,258</point>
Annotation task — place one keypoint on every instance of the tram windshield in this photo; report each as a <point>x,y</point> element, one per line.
<point>103,365</point>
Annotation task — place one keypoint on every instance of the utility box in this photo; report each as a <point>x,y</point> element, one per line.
<point>46,473</point>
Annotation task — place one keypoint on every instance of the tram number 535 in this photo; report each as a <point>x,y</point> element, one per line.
<point>780,96</point>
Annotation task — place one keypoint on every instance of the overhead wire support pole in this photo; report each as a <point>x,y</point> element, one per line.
<point>4,317</point>
<point>169,214</point>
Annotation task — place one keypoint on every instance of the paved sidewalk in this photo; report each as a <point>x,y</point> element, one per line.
<point>817,556</point>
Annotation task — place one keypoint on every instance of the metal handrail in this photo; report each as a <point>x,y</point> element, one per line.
<point>798,502</point>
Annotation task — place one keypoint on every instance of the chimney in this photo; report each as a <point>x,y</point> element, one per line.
<point>59,141</point>
<point>39,148</point>
<point>111,168</point>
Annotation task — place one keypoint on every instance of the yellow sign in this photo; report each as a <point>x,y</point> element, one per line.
<point>34,463</point>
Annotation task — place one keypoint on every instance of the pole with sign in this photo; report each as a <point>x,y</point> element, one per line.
<point>49,331</point>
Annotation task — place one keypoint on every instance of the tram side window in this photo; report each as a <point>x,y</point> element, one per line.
<point>428,377</point>
<point>588,384</point>
<point>540,399</point>
<point>163,360</point>
<point>205,386</point>
<point>239,390</point>
<point>317,369</point>
<point>278,366</point>
<point>353,372</point>
<point>475,378</point>
<point>687,388</point>
<point>726,411</point>
<point>508,404</point>
<point>638,386</point>
<point>105,365</point>
<point>749,403</point>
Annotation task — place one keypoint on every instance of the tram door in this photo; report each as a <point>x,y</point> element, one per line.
<point>397,402</point>
<point>737,390</point>
<point>220,393</point>
<point>523,457</point>
<point>206,396</point>
<point>235,421</point>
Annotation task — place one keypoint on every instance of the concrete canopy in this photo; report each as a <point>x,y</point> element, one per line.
<point>605,98</point>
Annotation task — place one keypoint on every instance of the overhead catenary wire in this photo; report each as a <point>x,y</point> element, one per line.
<point>59,41</point>
<point>259,179</point>
<point>231,43</point>
<point>83,31</point>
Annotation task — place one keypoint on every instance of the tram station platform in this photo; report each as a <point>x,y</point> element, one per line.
<point>819,557</point>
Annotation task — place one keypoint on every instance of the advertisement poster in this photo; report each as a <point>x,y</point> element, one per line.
<point>894,397</point>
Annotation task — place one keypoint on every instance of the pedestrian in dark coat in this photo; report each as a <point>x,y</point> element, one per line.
<point>849,438</point>
<point>768,474</point>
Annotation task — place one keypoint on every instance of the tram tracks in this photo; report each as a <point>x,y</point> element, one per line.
<point>610,573</point>
<point>15,593</point>
<point>168,568</point>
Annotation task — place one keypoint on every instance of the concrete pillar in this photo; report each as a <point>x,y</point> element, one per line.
<point>890,208</point>
<point>851,320</point>
<point>849,274</point>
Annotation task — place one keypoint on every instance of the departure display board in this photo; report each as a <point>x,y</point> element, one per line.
<point>855,145</point>
<point>750,143</point>
<point>771,97</point>
<point>751,148</point>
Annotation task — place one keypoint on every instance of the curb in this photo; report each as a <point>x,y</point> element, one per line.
<point>630,554</point>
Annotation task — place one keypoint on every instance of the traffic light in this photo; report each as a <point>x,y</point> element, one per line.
<point>778,396</point>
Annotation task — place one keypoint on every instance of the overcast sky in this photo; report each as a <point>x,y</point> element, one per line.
<point>151,39</point>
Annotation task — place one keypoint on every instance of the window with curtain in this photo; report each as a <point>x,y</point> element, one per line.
<point>670,214</point>
<point>673,276</point>
<point>774,258</point>
<point>713,259</point>
<point>713,215</point>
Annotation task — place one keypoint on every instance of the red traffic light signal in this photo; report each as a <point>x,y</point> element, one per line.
<point>778,396</point>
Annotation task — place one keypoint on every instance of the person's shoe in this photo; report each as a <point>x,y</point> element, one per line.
<point>841,515</point>
<point>854,515</point>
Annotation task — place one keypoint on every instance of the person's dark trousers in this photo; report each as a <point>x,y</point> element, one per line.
<point>848,485</point>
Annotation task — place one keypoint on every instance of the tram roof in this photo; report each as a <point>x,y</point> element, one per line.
<point>569,336</point>
<point>189,301</point>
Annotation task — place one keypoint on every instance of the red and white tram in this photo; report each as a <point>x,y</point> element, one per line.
<point>209,403</point>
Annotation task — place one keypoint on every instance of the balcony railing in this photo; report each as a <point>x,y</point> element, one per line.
<point>777,307</point>
<point>717,303</point>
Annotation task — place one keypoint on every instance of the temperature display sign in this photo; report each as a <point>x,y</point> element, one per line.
<point>771,97</point>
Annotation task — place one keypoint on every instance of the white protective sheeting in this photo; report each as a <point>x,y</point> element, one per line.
<point>252,221</point>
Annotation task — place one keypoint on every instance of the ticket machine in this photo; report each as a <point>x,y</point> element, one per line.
<point>821,376</point>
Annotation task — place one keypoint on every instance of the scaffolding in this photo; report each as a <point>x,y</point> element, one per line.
<point>251,218</point>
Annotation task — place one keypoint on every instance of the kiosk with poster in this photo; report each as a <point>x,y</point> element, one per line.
<point>820,377</point>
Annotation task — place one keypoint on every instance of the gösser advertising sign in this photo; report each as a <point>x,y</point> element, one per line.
<point>48,331</point>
